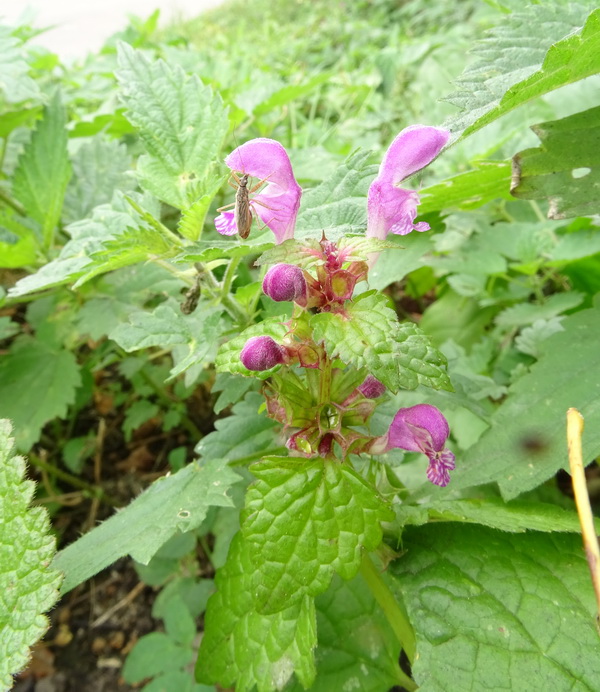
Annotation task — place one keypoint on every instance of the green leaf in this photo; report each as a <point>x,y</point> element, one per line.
<point>527,313</point>
<point>518,608</point>
<point>515,517</point>
<point>518,61</point>
<point>232,388</point>
<point>210,250</point>
<point>153,654</point>
<point>526,443</point>
<point>306,521</point>
<point>357,648</point>
<point>192,219</point>
<point>490,180</point>
<point>43,170</point>
<point>38,381</point>
<point>15,83</point>
<point>228,357</point>
<point>394,266</point>
<point>338,205</point>
<point>180,121</point>
<point>28,586</point>
<point>565,170</point>
<point>11,120</point>
<point>174,503</point>
<point>248,432</point>
<point>369,336</point>
<point>291,92</point>
<point>100,167</point>
<point>242,645</point>
<point>19,254</point>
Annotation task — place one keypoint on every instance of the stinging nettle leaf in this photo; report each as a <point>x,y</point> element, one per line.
<point>28,586</point>
<point>43,171</point>
<point>565,169</point>
<point>15,83</point>
<point>177,502</point>
<point>181,122</point>
<point>306,521</point>
<point>490,607</point>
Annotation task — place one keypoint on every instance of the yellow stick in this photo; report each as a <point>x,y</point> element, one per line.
<point>582,500</point>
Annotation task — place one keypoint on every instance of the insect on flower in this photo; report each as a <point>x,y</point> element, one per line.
<point>242,207</point>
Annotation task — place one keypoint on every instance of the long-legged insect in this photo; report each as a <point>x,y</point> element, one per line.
<point>242,212</point>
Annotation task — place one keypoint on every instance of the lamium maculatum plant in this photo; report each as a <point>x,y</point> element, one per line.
<point>312,513</point>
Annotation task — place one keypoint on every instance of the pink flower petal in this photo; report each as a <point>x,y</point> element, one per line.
<point>225,223</point>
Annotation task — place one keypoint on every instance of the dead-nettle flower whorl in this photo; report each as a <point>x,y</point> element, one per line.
<point>261,353</point>
<point>372,388</point>
<point>423,428</point>
<point>285,282</point>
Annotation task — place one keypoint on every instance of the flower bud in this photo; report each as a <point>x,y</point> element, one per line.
<point>285,282</point>
<point>372,388</point>
<point>261,353</point>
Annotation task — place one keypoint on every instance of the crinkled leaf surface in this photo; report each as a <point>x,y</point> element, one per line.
<point>246,434</point>
<point>357,648</point>
<point>243,646</point>
<point>527,313</point>
<point>307,520</point>
<point>43,170</point>
<point>181,122</point>
<point>565,170</point>
<point>338,205</point>
<point>369,336</point>
<point>228,357</point>
<point>517,61</point>
<point>28,586</point>
<point>38,381</point>
<point>567,374</point>
<point>178,502</point>
<point>492,610</point>
<point>100,167</point>
<point>209,250</point>
<point>15,83</point>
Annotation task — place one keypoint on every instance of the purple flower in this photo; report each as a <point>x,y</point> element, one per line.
<point>393,209</point>
<point>285,282</point>
<point>261,353</point>
<point>423,428</point>
<point>277,202</point>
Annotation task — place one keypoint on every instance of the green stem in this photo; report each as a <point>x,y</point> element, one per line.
<point>393,609</point>
<point>227,300</point>
<point>325,379</point>
<point>72,480</point>
<point>229,276</point>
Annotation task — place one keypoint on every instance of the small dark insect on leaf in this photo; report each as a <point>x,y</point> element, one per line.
<point>533,443</point>
<point>191,297</point>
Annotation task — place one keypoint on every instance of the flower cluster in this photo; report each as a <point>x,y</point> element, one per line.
<point>323,411</point>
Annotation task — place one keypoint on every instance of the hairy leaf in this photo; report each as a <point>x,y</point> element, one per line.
<point>565,170</point>
<point>181,122</point>
<point>43,170</point>
<point>518,607</point>
<point>246,648</point>
<point>517,61</point>
<point>369,336</point>
<point>306,521</point>
<point>171,504</point>
<point>28,586</point>
<point>15,83</point>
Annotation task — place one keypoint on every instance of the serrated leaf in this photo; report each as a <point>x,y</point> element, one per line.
<point>43,170</point>
<point>519,62</point>
<point>210,250</point>
<point>516,608</point>
<point>357,648</point>
<point>248,432</point>
<point>515,517</point>
<point>15,83</point>
<point>153,654</point>
<point>338,205</point>
<point>228,357</point>
<point>369,336</point>
<point>28,586</point>
<point>245,648</point>
<point>100,167</point>
<point>306,521</point>
<point>38,381</point>
<point>192,219</point>
<point>177,502</point>
<point>488,181</point>
<point>304,253</point>
<point>231,387</point>
<point>181,122</point>
<point>565,169</point>
<point>528,313</point>
<point>534,413</point>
